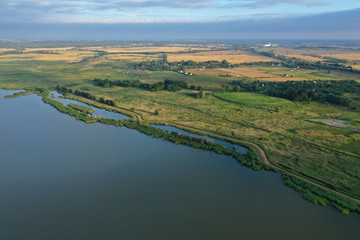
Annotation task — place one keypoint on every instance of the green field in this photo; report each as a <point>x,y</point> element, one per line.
<point>253,99</point>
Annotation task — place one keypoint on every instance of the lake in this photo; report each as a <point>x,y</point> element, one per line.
<point>65,179</point>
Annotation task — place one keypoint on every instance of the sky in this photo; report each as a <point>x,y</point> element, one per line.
<point>210,16</point>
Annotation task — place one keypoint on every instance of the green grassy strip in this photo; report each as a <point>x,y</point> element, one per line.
<point>19,94</point>
<point>319,196</point>
<point>80,108</point>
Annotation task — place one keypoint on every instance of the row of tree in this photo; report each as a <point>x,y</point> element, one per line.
<point>164,65</point>
<point>65,90</point>
<point>168,85</point>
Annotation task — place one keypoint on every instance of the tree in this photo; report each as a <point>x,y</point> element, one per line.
<point>201,94</point>
<point>225,63</point>
<point>277,109</point>
<point>237,89</point>
<point>156,112</point>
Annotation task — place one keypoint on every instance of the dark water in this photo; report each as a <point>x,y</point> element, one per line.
<point>229,145</point>
<point>64,179</point>
<point>98,111</point>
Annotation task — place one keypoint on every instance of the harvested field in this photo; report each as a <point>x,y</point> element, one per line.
<point>6,49</point>
<point>144,49</point>
<point>316,55</point>
<point>68,56</point>
<point>356,67</point>
<point>48,49</point>
<point>355,56</point>
<point>133,57</point>
<point>230,56</point>
<point>252,73</point>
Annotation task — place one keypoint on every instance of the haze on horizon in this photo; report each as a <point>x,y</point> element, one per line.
<point>180,20</point>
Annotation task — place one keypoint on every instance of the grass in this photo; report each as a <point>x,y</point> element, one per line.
<point>253,99</point>
<point>80,108</point>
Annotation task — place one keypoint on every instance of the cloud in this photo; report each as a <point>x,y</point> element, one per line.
<point>57,11</point>
<point>337,25</point>
<point>267,3</point>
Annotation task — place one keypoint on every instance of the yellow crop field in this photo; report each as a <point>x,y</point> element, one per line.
<point>6,49</point>
<point>305,54</point>
<point>240,72</point>
<point>263,74</point>
<point>230,56</point>
<point>68,56</point>
<point>47,49</point>
<point>346,55</point>
<point>144,49</point>
<point>132,57</point>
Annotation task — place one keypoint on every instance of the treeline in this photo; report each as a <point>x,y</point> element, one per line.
<point>22,52</point>
<point>11,52</point>
<point>64,90</point>
<point>319,196</point>
<point>323,91</point>
<point>168,85</point>
<point>164,65</point>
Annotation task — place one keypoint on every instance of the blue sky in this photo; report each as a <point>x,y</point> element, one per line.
<point>179,20</point>
<point>142,11</point>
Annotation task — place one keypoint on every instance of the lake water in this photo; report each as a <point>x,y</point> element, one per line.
<point>65,179</point>
<point>229,145</point>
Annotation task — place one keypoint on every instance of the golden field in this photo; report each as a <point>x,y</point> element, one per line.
<point>248,72</point>
<point>316,55</point>
<point>232,56</point>
<point>145,49</point>
<point>133,57</point>
<point>67,56</point>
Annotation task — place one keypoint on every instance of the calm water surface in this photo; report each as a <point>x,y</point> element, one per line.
<point>229,145</point>
<point>64,179</point>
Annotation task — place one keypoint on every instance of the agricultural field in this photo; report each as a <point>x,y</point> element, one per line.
<point>351,57</point>
<point>67,55</point>
<point>278,74</point>
<point>232,56</point>
<point>146,49</point>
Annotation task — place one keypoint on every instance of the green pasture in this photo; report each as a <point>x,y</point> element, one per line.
<point>253,99</point>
